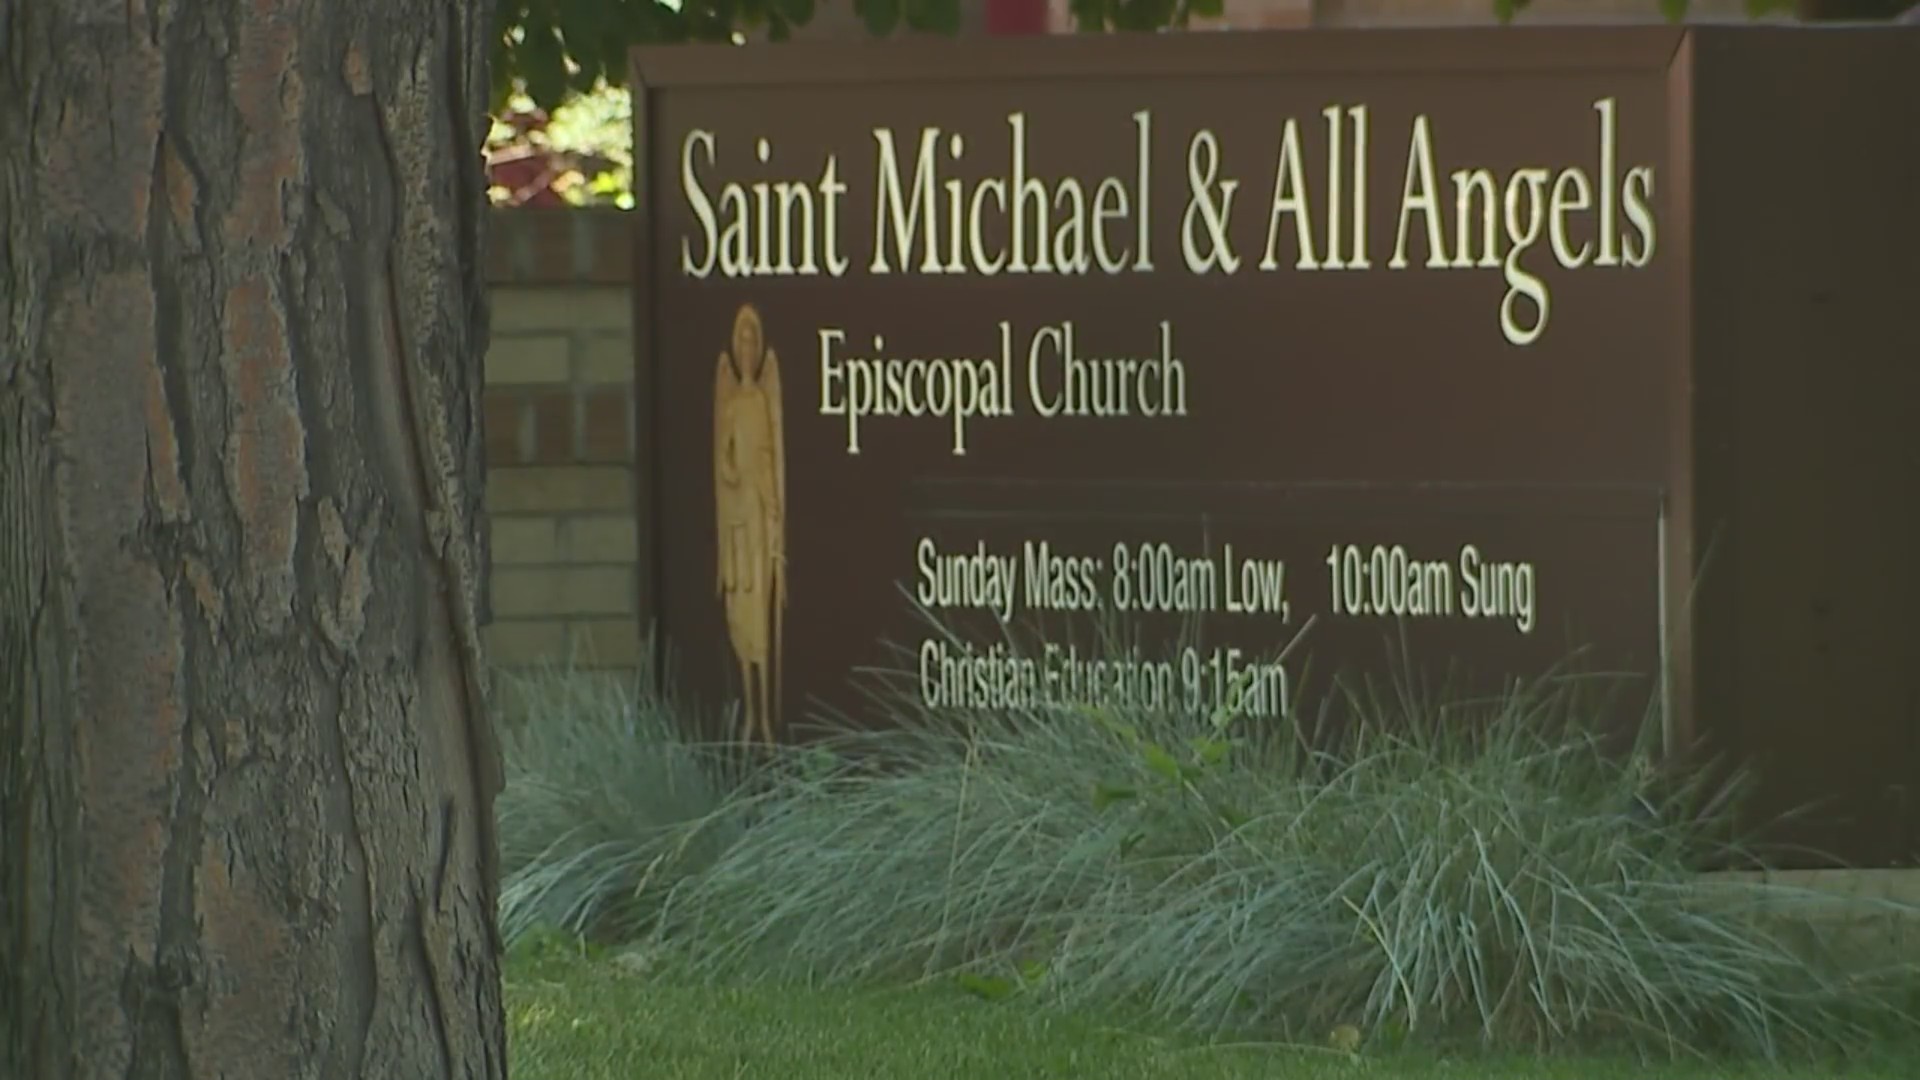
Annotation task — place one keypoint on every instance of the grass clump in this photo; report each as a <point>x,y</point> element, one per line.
<point>606,804</point>
<point>1487,873</point>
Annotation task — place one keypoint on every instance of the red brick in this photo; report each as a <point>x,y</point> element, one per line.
<point>560,246</point>
<point>553,426</point>
<point>605,428</point>
<point>503,412</point>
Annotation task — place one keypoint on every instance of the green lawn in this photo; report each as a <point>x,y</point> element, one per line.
<point>572,1018</point>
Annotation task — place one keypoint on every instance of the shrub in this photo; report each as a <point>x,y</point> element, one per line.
<point>1488,871</point>
<point>607,801</point>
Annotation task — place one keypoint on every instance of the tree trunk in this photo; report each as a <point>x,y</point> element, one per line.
<point>246,772</point>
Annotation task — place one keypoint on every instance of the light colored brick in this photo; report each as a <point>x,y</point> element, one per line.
<point>524,642</point>
<point>607,539</point>
<point>604,359</point>
<point>523,592</point>
<point>604,643</point>
<point>545,692</point>
<point>1860,916</point>
<point>559,489</point>
<point>517,359</point>
<point>598,590</point>
<point>518,310</point>
<point>525,540</point>
<point>1903,886</point>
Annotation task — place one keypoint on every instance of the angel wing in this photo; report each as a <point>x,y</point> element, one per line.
<point>726,486</point>
<point>776,424</point>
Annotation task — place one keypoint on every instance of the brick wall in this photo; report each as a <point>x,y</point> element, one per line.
<point>560,440</point>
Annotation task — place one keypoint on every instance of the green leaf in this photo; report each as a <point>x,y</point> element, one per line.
<point>582,22</point>
<point>652,22</point>
<point>586,74</point>
<point>502,74</point>
<point>1149,14</point>
<point>1208,9</point>
<point>1161,762</point>
<point>933,16</point>
<point>1209,752</point>
<point>713,20</point>
<point>1229,816</point>
<point>1105,795</point>
<point>1122,730</point>
<point>542,63</point>
<point>1130,841</point>
<point>881,16</point>
<point>990,987</point>
<point>1673,10</point>
<point>1032,971</point>
<point>1089,15</point>
<point>944,16</point>
<point>613,58</point>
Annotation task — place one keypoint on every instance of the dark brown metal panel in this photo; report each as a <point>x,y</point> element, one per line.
<point>1679,544</point>
<point>649,451</point>
<point>1379,411</point>
<point>1807,260</point>
<point>1738,408</point>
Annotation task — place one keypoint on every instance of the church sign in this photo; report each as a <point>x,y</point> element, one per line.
<point>1301,356</point>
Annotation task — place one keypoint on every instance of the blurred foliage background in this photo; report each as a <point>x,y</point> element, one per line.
<point>562,134</point>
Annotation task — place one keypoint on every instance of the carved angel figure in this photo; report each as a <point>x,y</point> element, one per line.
<point>750,498</point>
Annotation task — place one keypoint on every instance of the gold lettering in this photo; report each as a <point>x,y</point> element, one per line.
<point>1027,191</point>
<point>697,202</point>
<point>1609,180</point>
<point>988,264</point>
<point>1637,203</point>
<point>893,207</point>
<point>1290,197</point>
<point>1526,197</point>
<point>1334,260</point>
<point>1152,386</point>
<point>1571,194</point>
<point>1424,199</point>
<point>1467,183</point>
<point>1070,240</point>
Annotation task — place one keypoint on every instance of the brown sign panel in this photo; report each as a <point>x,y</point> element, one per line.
<point>1315,341</point>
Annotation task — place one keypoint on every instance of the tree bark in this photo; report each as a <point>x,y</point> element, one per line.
<point>246,767</point>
